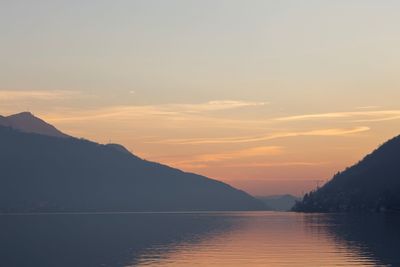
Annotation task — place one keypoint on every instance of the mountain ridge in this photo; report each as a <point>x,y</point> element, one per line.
<point>41,173</point>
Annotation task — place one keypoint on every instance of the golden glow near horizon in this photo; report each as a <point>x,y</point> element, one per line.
<point>270,96</point>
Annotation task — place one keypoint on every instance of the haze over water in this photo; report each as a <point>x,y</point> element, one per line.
<point>199,239</point>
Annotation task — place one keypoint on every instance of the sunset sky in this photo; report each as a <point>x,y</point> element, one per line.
<point>269,96</point>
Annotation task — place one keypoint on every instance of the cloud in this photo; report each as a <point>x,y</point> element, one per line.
<point>172,111</point>
<point>206,107</point>
<point>250,139</point>
<point>388,118</point>
<point>277,164</point>
<point>368,107</point>
<point>13,95</point>
<point>218,105</point>
<point>203,161</point>
<point>200,161</point>
<point>244,153</point>
<point>378,115</point>
<point>202,165</point>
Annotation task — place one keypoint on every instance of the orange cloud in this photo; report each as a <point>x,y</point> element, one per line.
<point>333,115</point>
<point>200,161</point>
<point>276,164</point>
<point>40,95</point>
<point>250,139</point>
<point>170,111</point>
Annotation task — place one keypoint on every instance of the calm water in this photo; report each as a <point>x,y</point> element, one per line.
<point>199,239</point>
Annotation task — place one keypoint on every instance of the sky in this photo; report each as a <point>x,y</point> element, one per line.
<point>270,96</point>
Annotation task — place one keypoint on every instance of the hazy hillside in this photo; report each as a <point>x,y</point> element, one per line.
<point>371,185</point>
<point>43,173</point>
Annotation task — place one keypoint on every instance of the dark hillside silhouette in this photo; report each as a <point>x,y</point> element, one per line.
<point>40,173</point>
<point>371,185</point>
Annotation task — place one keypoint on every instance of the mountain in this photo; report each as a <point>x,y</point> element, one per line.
<point>42,173</point>
<point>279,202</point>
<point>27,122</point>
<point>373,184</point>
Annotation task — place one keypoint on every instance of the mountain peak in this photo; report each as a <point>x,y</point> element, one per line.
<point>24,114</point>
<point>29,123</point>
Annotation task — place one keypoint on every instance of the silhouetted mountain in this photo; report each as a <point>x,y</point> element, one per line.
<point>279,202</point>
<point>27,122</point>
<point>371,185</point>
<point>40,173</point>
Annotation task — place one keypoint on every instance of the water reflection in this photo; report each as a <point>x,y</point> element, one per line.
<point>376,236</point>
<point>266,239</point>
<point>200,239</point>
<point>97,239</point>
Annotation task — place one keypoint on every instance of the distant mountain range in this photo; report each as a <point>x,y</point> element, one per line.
<point>45,170</point>
<point>279,202</point>
<point>373,184</point>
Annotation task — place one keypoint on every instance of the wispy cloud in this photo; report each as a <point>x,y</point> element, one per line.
<point>173,111</point>
<point>250,139</point>
<point>216,105</point>
<point>244,153</point>
<point>39,95</point>
<point>276,164</point>
<point>380,114</point>
<point>386,118</point>
<point>200,161</point>
<point>199,164</point>
<point>368,107</point>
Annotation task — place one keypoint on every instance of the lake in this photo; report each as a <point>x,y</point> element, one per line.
<point>200,239</point>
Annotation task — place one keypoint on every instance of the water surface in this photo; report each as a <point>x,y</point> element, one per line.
<point>199,239</point>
